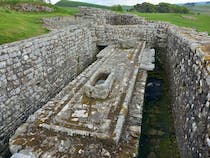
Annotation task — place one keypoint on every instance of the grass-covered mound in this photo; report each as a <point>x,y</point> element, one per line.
<point>3,3</point>
<point>21,25</point>
<point>69,3</point>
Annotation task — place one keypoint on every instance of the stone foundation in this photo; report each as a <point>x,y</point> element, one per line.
<point>32,71</point>
<point>189,85</point>
<point>73,124</point>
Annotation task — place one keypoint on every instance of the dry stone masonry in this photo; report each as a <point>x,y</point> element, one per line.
<point>99,113</point>
<point>82,125</point>
<point>31,7</point>
<point>34,70</point>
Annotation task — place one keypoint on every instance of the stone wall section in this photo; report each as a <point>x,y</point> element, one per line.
<point>153,33</point>
<point>31,7</point>
<point>34,70</point>
<point>189,86</point>
<point>187,61</point>
<point>55,23</point>
<point>110,26</point>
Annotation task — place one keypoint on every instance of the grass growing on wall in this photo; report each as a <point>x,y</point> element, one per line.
<point>17,25</point>
<point>200,22</point>
<point>70,3</point>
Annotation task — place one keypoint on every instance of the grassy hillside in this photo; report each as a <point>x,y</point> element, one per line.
<point>3,2</point>
<point>200,22</point>
<point>68,3</point>
<point>18,25</point>
<point>202,8</point>
<point>13,1</point>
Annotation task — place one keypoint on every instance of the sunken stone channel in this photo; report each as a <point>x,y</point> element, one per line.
<point>89,113</point>
<point>58,100</point>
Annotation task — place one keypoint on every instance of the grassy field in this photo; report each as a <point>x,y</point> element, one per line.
<point>200,22</point>
<point>16,25</point>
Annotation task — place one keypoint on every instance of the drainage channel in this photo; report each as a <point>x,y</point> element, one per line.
<point>158,134</point>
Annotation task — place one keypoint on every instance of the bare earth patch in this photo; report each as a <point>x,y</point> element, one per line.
<point>206,48</point>
<point>189,17</point>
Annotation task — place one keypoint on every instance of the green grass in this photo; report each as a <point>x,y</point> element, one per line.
<point>68,3</point>
<point>13,2</point>
<point>201,22</point>
<point>16,1</point>
<point>16,25</point>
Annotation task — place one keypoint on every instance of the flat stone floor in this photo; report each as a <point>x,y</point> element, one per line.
<point>74,125</point>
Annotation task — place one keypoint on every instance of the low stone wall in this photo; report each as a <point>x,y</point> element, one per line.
<point>188,67</point>
<point>124,19</point>
<point>31,7</point>
<point>55,23</point>
<point>153,33</point>
<point>34,70</point>
<point>97,16</point>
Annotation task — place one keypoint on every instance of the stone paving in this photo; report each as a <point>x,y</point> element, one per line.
<point>89,117</point>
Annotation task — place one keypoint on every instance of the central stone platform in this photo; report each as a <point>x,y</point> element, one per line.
<point>90,115</point>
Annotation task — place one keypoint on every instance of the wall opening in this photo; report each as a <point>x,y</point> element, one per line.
<point>100,79</point>
<point>6,152</point>
<point>101,47</point>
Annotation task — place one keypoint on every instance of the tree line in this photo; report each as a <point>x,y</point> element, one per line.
<point>45,1</point>
<point>160,8</point>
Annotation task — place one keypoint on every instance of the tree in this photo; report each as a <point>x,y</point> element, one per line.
<point>116,8</point>
<point>163,8</point>
<point>160,8</point>
<point>145,7</point>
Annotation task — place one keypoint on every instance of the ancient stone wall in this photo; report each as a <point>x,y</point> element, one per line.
<point>31,7</point>
<point>55,23</point>
<point>187,63</point>
<point>124,19</point>
<point>188,67</point>
<point>110,27</point>
<point>97,16</point>
<point>34,70</point>
<point>153,33</point>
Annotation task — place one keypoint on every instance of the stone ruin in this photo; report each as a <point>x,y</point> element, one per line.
<point>30,7</point>
<point>84,101</point>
